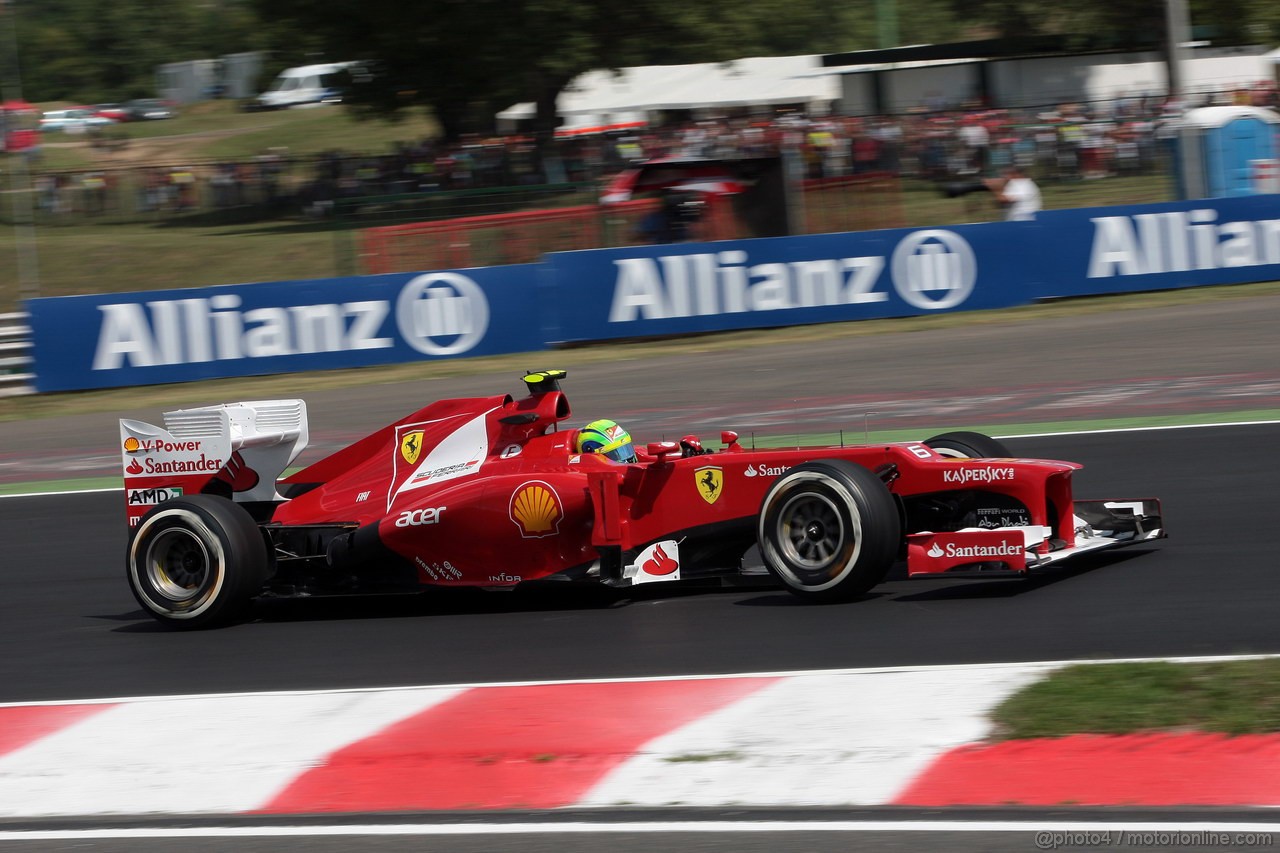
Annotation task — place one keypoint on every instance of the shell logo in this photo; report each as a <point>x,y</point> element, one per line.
<point>536,510</point>
<point>132,445</point>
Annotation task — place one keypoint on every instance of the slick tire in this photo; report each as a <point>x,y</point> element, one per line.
<point>968,445</point>
<point>196,562</point>
<point>829,530</point>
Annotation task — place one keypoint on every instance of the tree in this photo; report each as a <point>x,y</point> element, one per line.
<point>85,50</point>
<point>467,59</point>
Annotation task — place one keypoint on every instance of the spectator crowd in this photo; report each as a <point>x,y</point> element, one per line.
<point>1067,142</point>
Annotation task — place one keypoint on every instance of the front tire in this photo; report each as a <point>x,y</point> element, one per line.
<point>968,445</point>
<point>829,530</point>
<point>196,562</point>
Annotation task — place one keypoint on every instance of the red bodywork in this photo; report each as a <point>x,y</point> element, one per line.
<point>491,492</point>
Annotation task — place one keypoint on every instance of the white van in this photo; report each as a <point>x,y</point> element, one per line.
<point>306,84</point>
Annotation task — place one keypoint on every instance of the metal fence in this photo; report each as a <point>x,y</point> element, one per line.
<point>15,355</point>
<point>400,235</point>
<point>268,187</point>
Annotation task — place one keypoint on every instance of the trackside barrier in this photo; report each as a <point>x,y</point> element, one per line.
<point>645,291</point>
<point>845,203</point>
<point>471,240</point>
<point>523,237</point>
<point>15,355</point>
<point>119,339</point>
<point>852,203</point>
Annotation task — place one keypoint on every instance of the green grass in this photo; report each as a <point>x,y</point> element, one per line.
<point>311,131</point>
<point>220,130</point>
<point>1238,697</point>
<point>77,259</point>
<point>164,253</point>
<point>701,757</point>
<point>923,204</point>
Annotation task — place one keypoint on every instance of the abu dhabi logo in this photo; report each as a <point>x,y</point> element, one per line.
<point>934,269</point>
<point>442,313</point>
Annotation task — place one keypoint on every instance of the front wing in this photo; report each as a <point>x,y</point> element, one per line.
<point>1099,525</point>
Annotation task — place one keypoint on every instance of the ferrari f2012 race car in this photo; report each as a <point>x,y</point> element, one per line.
<point>491,492</point>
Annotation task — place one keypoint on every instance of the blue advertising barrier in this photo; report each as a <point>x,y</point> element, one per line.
<point>111,340</point>
<point>1161,246</point>
<point>783,281</point>
<point>604,294</point>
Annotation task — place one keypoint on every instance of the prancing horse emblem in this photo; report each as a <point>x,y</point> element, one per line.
<point>710,482</point>
<point>411,446</point>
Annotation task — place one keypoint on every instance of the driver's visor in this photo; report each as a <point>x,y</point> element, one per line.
<point>623,451</point>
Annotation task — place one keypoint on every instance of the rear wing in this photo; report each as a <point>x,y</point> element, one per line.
<point>235,449</point>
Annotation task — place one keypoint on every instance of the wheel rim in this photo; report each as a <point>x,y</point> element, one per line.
<point>178,565</point>
<point>811,533</point>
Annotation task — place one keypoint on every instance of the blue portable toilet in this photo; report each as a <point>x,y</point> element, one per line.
<point>1216,147</point>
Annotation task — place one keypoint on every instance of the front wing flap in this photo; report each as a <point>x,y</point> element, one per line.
<point>974,551</point>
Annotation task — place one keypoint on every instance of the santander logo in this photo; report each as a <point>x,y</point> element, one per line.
<point>659,563</point>
<point>994,550</point>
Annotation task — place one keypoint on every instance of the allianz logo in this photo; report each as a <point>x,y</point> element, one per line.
<point>439,313</point>
<point>765,470</point>
<point>1179,241</point>
<point>931,269</point>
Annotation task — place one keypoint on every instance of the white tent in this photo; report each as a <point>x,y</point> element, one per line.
<point>602,97</point>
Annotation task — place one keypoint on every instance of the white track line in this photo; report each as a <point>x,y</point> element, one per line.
<point>64,492</point>
<point>1137,429</point>
<point>1174,830</point>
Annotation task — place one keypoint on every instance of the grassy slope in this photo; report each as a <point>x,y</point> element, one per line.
<point>146,256</point>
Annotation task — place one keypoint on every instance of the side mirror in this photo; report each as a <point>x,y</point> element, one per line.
<point>662,449</point>
<point>729,439</point>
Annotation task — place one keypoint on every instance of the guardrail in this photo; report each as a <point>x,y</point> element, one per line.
<point>15,355</point>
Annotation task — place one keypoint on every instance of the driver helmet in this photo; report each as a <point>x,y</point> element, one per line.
<point>607,438</point>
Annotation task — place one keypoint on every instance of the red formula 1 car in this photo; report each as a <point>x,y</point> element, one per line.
<point>490,492</point>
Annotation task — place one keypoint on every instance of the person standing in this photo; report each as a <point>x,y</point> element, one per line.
<point>1019,194</point>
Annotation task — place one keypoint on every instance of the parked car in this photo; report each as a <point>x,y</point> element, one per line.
<point>115,112</point>
<point>148,109</point>
<point>74,120</point>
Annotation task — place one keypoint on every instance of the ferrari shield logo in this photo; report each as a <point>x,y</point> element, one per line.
<point>411,446</point>
<point>710,481</point>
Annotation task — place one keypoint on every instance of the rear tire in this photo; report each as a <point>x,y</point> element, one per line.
<point>196,562</point>
<point>968,445</point>
<point>829,530</point>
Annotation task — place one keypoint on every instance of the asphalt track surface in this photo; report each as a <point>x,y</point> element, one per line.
<point>72,629</point>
